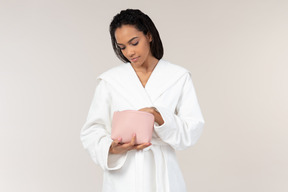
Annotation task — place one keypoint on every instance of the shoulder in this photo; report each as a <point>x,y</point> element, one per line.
<point>112,72</point>
<point>102,80</point>
<point>174,71</point>
<point>172,66</point>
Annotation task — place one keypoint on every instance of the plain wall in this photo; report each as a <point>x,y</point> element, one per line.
<point>52,51</point>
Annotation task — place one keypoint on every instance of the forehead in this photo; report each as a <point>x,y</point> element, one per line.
<point>126,32</point>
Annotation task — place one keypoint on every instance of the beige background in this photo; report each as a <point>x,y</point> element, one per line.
<point>52,51</point>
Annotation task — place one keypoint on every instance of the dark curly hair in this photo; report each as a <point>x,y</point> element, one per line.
<point>143,23</point>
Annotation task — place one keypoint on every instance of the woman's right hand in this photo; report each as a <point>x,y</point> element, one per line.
<point>119,148</point>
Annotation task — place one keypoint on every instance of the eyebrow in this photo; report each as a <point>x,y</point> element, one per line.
<point>129,40</point>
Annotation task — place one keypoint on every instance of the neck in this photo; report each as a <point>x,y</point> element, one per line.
<point>147,66</point>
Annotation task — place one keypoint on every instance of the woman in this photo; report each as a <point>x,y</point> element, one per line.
<point>147,83</point>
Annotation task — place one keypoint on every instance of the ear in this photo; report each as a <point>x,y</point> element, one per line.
<point>149,37</point>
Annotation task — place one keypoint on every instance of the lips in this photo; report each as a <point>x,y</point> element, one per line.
<point>134,59</point>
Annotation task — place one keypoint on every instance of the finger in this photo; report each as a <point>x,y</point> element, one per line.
<point>143,109</point>
<point>126,147</point>
<point>146,109</point>
<point>132,142</point>
<point>130,145</point>
<point>142,146</point>
<point>116,142</point>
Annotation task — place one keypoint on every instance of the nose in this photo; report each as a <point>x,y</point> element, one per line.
<point>130,51</point>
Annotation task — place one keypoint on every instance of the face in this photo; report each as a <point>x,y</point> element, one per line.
<point>135,46</point>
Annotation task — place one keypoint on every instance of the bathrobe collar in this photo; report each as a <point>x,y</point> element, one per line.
<point>124,79</point>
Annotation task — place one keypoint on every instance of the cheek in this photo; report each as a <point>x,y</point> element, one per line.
<point>124,52</point>
<point>146,47</point>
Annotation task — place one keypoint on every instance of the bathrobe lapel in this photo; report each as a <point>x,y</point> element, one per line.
<point>125,81</point>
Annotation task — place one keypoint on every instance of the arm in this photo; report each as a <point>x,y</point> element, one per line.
<point>94,135</point>
<point>183,128</point>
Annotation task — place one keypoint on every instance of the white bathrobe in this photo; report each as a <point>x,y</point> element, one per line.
<point>171,91</point>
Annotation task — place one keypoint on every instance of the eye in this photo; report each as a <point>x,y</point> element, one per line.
<point>121,48</point>
<point>134,44</point>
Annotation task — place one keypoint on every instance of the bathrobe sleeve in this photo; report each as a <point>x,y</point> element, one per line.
<point>94,135</point>
<point>183,127</point>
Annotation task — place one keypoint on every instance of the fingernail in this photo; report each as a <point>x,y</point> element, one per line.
<point>119,139</point>
<point>134,134</point>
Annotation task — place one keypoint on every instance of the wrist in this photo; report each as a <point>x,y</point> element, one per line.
<point>158,118</point>
<point>155,111</point>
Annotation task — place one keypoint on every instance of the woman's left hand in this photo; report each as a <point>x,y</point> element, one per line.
<point>153,111</point>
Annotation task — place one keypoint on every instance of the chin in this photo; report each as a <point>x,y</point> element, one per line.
<point>137,63</point>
